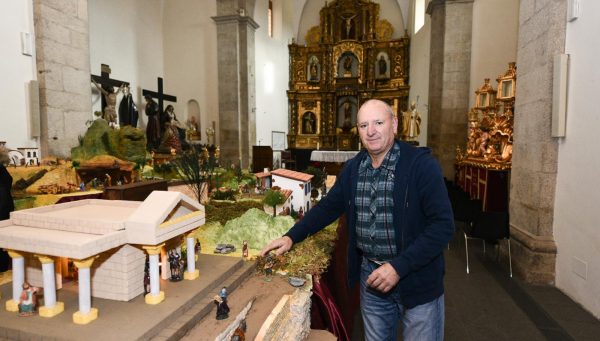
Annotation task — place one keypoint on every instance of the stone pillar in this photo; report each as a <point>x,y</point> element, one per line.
<point>63,65</point>
<point>155,296</point>
<point>51,307</point>
<point>542,35</point>
<point>237,103</point>
<point>449,78</point>
<point>18,278</point>
<point>86,313</point>
<point>191,273</point>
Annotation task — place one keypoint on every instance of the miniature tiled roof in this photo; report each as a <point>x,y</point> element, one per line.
<point>290,174</point>
<point>262,174</point>
<point>286,193</point>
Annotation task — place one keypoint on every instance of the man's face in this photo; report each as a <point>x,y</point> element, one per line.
<point>376,127</point>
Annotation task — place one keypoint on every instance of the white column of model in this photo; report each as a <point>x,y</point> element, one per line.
<point>49,284</point>
<point>155,296</point>
<point>18,278</point>
<point>191,259</point>
<point>51,306</point>
<point>154,280</point>
<point>86,313</point>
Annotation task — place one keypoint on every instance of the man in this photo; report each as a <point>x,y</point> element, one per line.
<point>399,221</point>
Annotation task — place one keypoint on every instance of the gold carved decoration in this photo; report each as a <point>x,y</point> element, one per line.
<point>490,139</point>
<point>384,30</point>
<point>342,61</point>
<point>313,36</point>
<point>356,49</point>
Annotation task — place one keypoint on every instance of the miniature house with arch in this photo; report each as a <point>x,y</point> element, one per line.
<point>108,242</point>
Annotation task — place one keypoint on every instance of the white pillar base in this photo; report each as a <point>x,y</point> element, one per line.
<point>155,299</point>
<point>81,318</point>
<point>12,305</point>
<point>58,308</point>
<point>190,276</point>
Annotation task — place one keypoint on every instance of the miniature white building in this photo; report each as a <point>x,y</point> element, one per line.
<point>263,179</point>
<point>297,182</point>
<point>107,240</point>
<point>32,155</point>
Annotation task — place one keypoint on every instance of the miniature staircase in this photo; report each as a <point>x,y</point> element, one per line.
<point>200,305</point>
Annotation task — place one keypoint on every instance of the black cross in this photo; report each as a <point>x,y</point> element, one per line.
<point>159,95</point>
<point>106,82</point>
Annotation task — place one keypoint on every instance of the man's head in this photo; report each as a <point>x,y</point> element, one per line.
<point>377,125</point>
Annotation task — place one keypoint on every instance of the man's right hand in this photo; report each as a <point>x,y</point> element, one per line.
<point>281,245</point>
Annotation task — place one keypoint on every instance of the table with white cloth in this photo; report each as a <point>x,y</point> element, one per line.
<point>332,160</point>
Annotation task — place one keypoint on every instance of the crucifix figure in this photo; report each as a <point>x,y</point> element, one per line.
<point>161,96</point>
<point>106,86</point>
<point>156,114</point>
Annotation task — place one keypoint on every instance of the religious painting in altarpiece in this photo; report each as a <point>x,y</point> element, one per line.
<point>348,59</point>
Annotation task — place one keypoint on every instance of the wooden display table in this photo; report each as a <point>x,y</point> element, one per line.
<point>491,186</point>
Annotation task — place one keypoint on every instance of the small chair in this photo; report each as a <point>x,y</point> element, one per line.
<point>488,226</point>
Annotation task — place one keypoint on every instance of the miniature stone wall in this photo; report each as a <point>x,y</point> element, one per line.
<point>290,319</point>
<point>118,274</point>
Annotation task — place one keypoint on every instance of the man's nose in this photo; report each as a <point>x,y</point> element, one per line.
<point>371,129</point>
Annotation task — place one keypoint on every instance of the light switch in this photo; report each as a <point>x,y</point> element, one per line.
<point>26,48</point>
<point>574,10</point>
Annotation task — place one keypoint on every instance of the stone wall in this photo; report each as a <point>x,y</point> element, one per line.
<point>63,63</point>
<point>290,319</point>
<point>118,274</point>
<point>449,78</point>
<point>542,32</point>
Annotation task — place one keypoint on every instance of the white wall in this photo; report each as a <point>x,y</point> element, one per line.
<point>576,214</point>
<point>190,56</point>
<point>420,44</point>
<point>272,69</point>
<point>128,36</point>
<point>16,70</point>
<point>494,41</point>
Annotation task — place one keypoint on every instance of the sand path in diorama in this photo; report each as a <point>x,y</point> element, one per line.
<point>267,295</point>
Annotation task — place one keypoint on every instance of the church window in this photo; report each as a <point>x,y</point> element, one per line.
<point>419,14</point>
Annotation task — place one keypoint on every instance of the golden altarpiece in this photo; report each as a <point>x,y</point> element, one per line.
<point>483,169</point>
<point>348,59</point>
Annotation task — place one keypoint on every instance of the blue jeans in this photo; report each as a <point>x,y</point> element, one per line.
<point>382,312</point>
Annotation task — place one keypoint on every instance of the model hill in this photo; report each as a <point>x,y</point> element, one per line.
<point>127,143</point>
<point>254,226</point>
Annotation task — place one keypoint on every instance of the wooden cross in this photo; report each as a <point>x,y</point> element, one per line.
<point>159,95</point>
<point>106,82</point>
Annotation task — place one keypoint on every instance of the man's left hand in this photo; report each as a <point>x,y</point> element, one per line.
<point>384,278</point>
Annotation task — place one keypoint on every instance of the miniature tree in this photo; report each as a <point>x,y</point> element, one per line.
<point>274,197</point>
<point>196,167</point>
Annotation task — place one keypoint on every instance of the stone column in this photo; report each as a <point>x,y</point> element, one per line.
<point>51,307</point>
<point>86,313</point>
<point>237,103</point>
<point>18,278</point>
<point>191,273</point>
<point>155,296</point>
<point>449,78</point>
<point>63,65</point>
<point>542,35</point>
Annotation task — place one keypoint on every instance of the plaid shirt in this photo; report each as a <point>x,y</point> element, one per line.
<point>375,207</point>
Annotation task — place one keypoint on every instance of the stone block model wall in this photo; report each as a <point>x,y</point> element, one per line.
<point>119,274</point>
